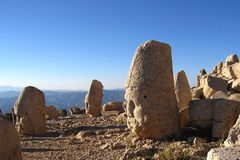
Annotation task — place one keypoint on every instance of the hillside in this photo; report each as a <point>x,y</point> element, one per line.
<point>59,98</point>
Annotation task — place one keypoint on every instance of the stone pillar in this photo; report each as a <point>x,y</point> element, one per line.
<point>93,99</point>
<point>30,112</point>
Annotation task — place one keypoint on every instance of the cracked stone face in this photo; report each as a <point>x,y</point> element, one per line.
<point>151,103</point>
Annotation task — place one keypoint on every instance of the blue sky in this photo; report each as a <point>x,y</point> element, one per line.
<point>64,44</point>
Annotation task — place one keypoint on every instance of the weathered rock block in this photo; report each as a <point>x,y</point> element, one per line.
<point>184,116</point>
<point>51,113</point>
<point>219,95</point>
<point>62,112</point>
<point>93,99</point>
<point>122,118</point>
<point>76,110</point>
<point>217,114</point>
<point>224,153</point>
<point>10,148</point>
<point>227,72</point>
<point>200,113</point>
<point>235,70</point>
<point>182,90</point>
<point>234,135</point>
<point>151,103</point>
<point>236,85</point>
<point>30,112</point>
<point>235,97</point>
<point>232,59</point>
<point>197,92</point>
<point>214,84</point>
<point>112,106</point>
<point>111,113</point>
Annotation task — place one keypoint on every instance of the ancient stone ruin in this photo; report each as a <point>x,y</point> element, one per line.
<point>112,108</point>
<point>218,115</point>
<point>30,112</point>
<point>183,95</point>
<point>151,102</point>
<point>93,99</point>
<point>182,90</point>
<point>51,113</point>
<point>10,148</point>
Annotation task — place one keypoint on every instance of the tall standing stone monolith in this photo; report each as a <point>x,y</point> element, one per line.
<point>30,112</point>
<point>93,99</point>
<point>151,103</point>
<point>182,90</point>
<point>183,95</point>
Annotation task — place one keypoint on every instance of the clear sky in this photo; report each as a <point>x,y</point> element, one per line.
<point>64,44</point>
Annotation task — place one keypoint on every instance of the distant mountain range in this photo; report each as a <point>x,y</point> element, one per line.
<point>60,99</point>
<point>9,88</point>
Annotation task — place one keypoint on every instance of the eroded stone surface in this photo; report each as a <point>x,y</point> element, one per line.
<point>10,148</point>
<point>214,84</point>
<point>51,113</point>
<point>182,90</point>
<point>234,135</point>
<point>219,95</point>
<point>235,97</point>
<point>30,112</point>
<point>227,153</point>
<point>111,106</point>
<point>232,59</point>
<point>151,103</point>
<point>217,114</point>
<point>93,99</point>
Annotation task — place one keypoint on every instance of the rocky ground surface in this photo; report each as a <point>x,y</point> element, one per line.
<point>104,138</point>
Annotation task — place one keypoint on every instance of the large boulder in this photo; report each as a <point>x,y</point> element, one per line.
<point>122,118</point>
<point>219,115</point>
<point>10,148</point>
<point>231,71</point>
<point>235,97</point>
<point>234,135</point>
<point>235,70</point>
<point>51,113</point>
<point>219,95</point>
<point>151,102</point>
<point>62,112</point>
<point>214,84</point>
<point>30,112</point>
<point>236,85</point>
<point>232,59</point>
<point>93,99</point>
<point>182,90</point>
<point>224,153</point>
<point>112,106</point>
<point>200,113</point>
<point>76,110</point>
<point>227,72</point>
<point>197,92</point>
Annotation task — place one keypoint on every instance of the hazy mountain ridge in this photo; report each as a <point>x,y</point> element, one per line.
<point>60,99</point>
